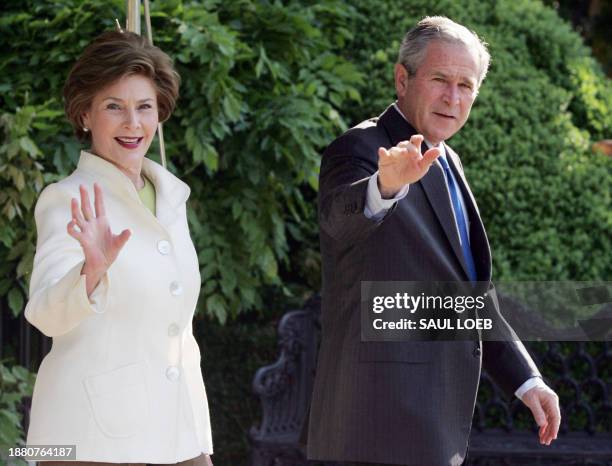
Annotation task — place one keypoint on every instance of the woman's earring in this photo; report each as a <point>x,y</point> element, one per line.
<point>85,129</point>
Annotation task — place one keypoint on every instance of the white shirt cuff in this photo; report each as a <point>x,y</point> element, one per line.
<point>376,207</point>
<point>528,385</point>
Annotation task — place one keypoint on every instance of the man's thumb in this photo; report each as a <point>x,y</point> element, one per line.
<point>431,155</point>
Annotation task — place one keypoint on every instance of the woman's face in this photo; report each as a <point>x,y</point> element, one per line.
<point>122,120</point>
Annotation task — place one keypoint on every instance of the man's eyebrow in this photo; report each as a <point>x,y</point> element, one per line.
<point>439,73</point>
<point>464,79</point>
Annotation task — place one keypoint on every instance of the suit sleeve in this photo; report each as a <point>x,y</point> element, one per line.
<point>58,297</point>
<point>346,168</point>
<point>504,356</point>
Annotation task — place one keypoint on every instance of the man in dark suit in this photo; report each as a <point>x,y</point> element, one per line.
<point>389,212</point>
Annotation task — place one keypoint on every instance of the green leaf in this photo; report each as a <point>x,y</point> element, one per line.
<point>15,300</point>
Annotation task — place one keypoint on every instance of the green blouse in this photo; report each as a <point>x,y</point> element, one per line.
<point>147,195</point>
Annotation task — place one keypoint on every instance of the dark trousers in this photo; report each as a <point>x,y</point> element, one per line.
<point>379,464</point>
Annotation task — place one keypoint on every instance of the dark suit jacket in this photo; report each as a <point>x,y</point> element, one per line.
<point>407,403</point>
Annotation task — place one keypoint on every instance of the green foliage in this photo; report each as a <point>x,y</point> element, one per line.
<point>259,98</point>
<point>266,85</point>
<point>15,384</point>
<point>544,196</point>
<point>21,179</point>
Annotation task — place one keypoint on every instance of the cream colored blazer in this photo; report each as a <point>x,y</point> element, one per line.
<point>122,381</point>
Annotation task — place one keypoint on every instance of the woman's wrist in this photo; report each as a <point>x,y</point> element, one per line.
<point>93,275</point>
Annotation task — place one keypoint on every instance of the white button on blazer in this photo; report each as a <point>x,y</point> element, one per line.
<point>115,383</point>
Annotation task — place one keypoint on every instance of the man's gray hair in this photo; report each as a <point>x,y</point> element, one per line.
<point>414,45</point>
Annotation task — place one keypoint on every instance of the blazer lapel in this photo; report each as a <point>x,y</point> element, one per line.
<point>433,183</point>
<point>170,192</point>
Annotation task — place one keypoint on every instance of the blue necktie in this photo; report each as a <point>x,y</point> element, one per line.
<point>460,216</point>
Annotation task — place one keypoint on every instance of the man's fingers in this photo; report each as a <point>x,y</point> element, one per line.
<point>554,416</point>
<point>390,156</point>
<point>405,145</point>
<point>85,204</point>
<point>538,413</point>
<point>416,141</point>
<point>543,434</point>
<point>409,147</point>
<point>384,157</point>
<point>99,201</point>
<point>398,152</point>
<point>550,433</point>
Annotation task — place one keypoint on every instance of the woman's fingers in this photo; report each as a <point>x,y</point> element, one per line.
<point>77,216</point>
<point>85,203</point>
<point>99,201</point>
<point>72,230</point>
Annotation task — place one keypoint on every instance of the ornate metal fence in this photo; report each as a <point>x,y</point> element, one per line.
<point>582,375</point>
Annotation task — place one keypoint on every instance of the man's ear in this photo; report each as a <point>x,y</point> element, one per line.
<point>401,79</point>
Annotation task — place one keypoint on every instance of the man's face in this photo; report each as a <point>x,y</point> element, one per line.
<point>438,98</point>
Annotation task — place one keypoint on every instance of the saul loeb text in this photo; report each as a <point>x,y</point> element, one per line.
<point>423,311</point>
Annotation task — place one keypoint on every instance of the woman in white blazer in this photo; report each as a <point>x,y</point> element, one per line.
<point>122,381</point>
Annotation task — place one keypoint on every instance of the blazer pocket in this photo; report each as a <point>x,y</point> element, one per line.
<point>119,400</point>
<point>395,351</point>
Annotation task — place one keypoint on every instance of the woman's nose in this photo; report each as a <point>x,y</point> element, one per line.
<point>131,118</point>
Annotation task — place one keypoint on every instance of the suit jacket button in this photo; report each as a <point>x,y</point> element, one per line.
<point>477,352</point>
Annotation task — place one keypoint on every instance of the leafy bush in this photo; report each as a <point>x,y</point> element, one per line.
<point>259,98</point>
<point>15,384</point>
<point>260,88</point>
<point>266,85</point>
<point>526,148</point>
<point>544,195</point>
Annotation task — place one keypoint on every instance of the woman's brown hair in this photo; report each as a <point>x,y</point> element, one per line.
<point>111,56</point>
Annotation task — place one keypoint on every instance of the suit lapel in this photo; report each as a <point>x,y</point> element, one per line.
<point>433,182</point>
<point>479,243</point>
<point>436,190</point>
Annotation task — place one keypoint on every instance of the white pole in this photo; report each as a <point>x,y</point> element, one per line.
<point>133,25</point>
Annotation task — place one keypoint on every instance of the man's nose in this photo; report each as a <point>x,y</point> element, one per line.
<point>451,95</point>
